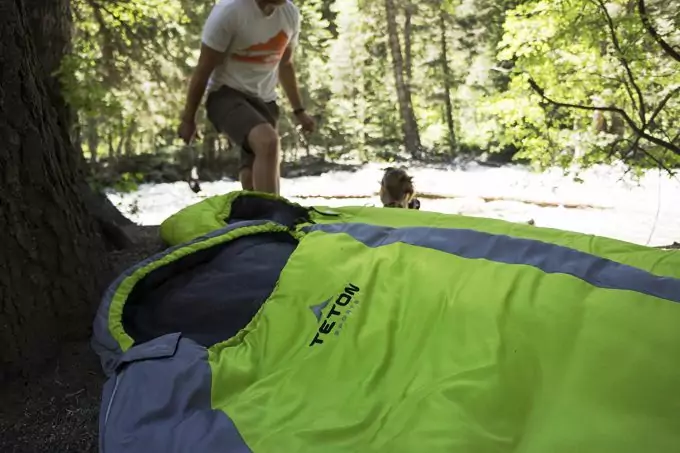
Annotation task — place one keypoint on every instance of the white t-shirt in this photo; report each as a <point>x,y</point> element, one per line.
<point>254,44</point>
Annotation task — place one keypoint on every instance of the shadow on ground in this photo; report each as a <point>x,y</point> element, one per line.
<point>57,410</point>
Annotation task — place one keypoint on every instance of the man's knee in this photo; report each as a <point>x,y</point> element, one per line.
<point>264,140</point>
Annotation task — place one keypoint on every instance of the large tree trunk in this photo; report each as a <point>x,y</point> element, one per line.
<point>409,123</point>
<point>51,267</point>
<point>447,78</point>
<point>409,9</point>
<point>50,25</point>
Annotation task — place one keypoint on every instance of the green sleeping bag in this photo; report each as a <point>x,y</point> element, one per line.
<point>385,330</point>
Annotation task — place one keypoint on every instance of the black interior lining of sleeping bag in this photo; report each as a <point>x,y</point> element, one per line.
<point>211,294</point>
<point>255,207</point>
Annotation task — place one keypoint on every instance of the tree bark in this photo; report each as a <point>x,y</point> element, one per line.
<point>129,142</point>
<point>121,139</point>
<point>50,25</point>
<point>51,267</point>
<point>209,152</point>
<point>92,138</point>
<point>409,123</point>
<point>112,150</point>
<point>408,47</point>
<point>447,78</point>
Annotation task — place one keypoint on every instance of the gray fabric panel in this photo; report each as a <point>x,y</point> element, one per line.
<point>209,295</point>
<point>161,403</point>
<point>160,348</point>
<point>102,342</point>
<point>107,392</point>
<point>549,258</point>
<point>104,345</point>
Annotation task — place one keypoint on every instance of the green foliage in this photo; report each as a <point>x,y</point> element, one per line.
<point>125,183</point>
<point>130,64</point>
<point>572,50</point>
<point>311,60</point>
<point>128,182</point>
<point>127,68</point>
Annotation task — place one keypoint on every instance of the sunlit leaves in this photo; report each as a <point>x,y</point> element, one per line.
<point>586,52</point>
<point>129,63</point>
<point>131,60</point>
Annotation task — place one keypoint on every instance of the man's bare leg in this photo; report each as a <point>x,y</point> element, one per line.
<point>246,178</point>
<point>264,141</point>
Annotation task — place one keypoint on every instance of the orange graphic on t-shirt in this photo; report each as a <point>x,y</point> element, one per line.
<point>264,53</point>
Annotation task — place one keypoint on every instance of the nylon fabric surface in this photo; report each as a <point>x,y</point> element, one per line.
<point>438,353</point>
<point>660,262</point>
<point>550,258</point>
<point>389,331</point>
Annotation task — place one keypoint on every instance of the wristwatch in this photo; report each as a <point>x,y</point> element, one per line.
<point>298,111</point>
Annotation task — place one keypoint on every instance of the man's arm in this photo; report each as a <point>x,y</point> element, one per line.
<point>215,41</point>
<point>288,79</point>
<point>207,61</point>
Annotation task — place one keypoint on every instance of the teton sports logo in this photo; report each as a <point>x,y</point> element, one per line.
<point>337,315</point>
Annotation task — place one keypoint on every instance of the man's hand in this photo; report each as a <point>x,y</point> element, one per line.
<point>307,122</point>
<point>187,131</point>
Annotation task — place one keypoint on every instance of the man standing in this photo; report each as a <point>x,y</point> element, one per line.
<point>247,48</point>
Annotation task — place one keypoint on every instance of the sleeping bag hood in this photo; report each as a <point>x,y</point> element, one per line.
<point>272,327</point>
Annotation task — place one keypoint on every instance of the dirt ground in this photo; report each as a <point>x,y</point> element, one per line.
<point>58,411</point>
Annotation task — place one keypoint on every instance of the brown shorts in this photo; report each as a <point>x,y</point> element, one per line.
<point>235,114</point>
